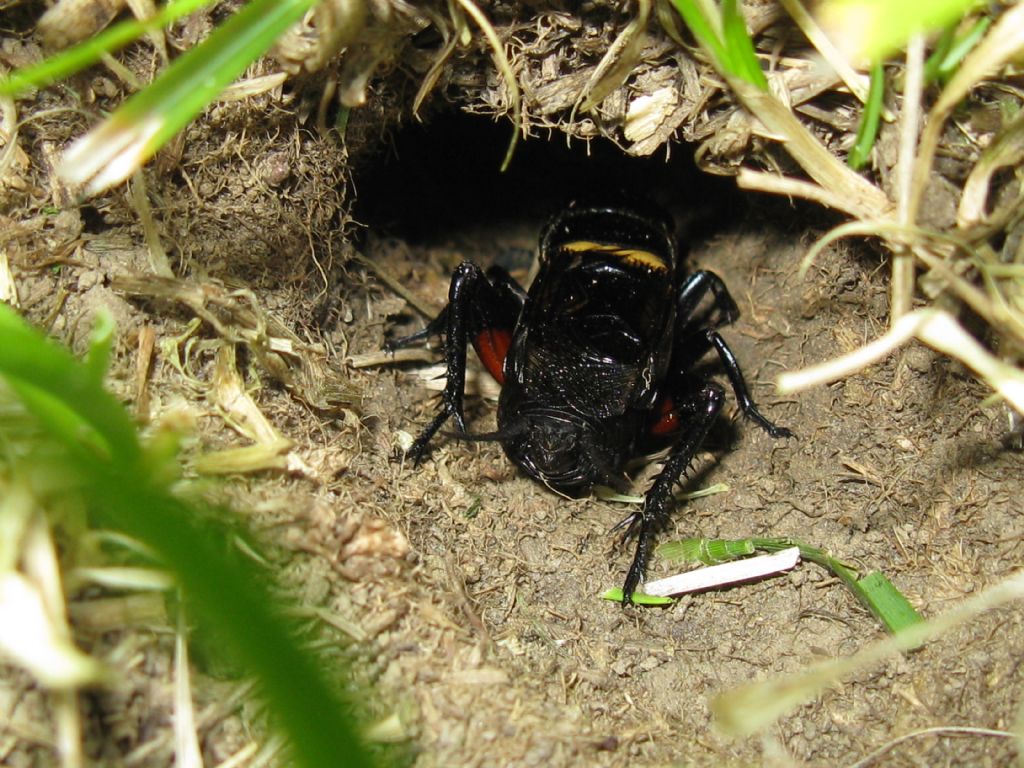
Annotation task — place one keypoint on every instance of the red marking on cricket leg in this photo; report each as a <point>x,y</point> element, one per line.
<point>668,420</point>
<point>491,347</point>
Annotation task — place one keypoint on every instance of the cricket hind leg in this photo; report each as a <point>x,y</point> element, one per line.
<point>478,303</point>
<point>739,387</point>
<point>506,300</point>
<point>699,336</point>
<point>435,327</point>
<point>693,291</point>
<point>699,412</point>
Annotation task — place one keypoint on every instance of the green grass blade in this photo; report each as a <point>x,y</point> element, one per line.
<point>867,131</point>
<point>875,591</point>
<point>90,51</point>
<point>940,50</point>
<point>639,598</point>
<point>739,48</point>
<point>947,64</point>
<point>143,124</point>
<point>887,603</point>
<point>701,28</point>
<point>733,52</point>
<point>707,551</point>
<point>62,390</point>
<point>228,596</point>
<point>233,601</point>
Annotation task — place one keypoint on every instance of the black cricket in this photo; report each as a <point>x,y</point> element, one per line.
<point>598,361</point>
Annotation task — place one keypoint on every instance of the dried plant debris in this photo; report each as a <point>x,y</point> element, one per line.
<point>70,21</point>
<point>237,318</point>
<point>629,75</point>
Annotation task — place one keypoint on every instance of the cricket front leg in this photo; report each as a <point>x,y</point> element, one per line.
<point>482,310</point>
<point>467,281</point>
<point>702,409</point>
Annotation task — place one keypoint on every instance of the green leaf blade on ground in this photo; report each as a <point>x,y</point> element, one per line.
<point>887,603</point>
<point>706,551</point>
<point>639,598</point>
<point>874,591</point>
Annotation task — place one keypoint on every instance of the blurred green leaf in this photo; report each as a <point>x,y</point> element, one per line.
<point>64,394</point>
<point>870,30</point>
<point>228,595</point>
<point>101,344</point>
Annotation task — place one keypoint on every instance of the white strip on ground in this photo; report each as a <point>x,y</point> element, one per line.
<point>724,574</point>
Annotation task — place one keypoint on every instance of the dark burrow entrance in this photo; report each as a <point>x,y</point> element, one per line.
<point>433,195</point>
<point>440,182</point>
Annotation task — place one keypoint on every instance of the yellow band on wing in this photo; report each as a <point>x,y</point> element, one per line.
<point>634,256</point>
